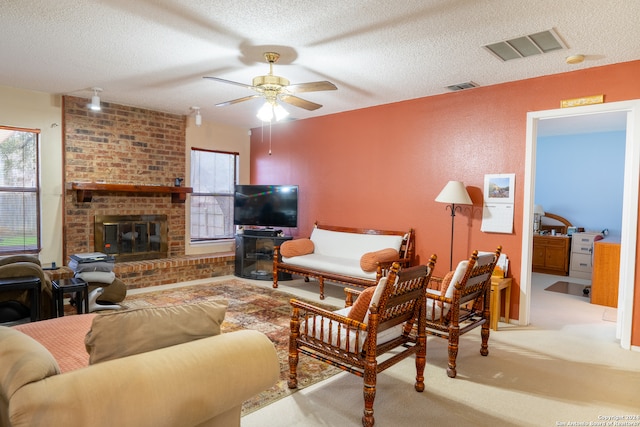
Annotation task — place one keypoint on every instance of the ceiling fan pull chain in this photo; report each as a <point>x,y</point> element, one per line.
<point>269,137</point>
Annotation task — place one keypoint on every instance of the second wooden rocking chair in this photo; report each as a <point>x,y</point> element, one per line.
<point>389,316</point>
<point>459,303</point>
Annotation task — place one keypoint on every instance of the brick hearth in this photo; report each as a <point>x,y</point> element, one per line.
<point>141,274</point>
<point>129,145</point>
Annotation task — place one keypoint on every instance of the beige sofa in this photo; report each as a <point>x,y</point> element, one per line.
<point>202,382</point>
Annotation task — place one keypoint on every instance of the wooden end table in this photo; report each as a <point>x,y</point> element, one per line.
<point>69,286</point>
<point>498,284</point>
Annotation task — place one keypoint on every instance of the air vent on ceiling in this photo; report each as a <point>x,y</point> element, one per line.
<point>521,47</point>
<point>462,86</point>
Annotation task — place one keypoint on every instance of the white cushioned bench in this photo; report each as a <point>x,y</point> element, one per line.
<point>353,256</point>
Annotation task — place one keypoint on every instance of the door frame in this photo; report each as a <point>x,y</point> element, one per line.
<point>629,208</point>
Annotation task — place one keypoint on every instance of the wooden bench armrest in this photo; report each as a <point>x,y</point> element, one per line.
<point>404,262</point>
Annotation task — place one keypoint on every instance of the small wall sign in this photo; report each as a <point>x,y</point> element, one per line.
<point>578,102</point>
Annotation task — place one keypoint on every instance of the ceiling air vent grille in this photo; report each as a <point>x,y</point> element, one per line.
<point>521,47</point>
<point>462,86</point>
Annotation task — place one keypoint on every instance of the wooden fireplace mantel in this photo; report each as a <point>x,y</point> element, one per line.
<point>85,190</point>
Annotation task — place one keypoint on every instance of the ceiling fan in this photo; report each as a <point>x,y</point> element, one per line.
<point>275,88</point>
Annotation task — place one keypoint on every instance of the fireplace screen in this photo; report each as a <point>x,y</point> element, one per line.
<point>131,237</point>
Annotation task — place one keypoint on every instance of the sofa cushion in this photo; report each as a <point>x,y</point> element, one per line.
<point>369,261</point>
<point>296,247</point>
<point>351,245</point>
<point>360,307</point>
<point>63,337</point>
<point>331,264</point>
<point>97,276</point>
<point>124,333</point>
<point>24,360</point>
<point>83,267</point>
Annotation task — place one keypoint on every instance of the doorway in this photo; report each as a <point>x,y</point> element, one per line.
<point>631,111</point>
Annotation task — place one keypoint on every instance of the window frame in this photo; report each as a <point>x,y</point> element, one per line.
<point>23,189</point>
<point>236,170</point>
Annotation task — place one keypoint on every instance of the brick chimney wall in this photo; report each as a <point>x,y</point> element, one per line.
<point>121,145</point>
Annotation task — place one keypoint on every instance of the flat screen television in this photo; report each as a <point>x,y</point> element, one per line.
<point>266,205</point>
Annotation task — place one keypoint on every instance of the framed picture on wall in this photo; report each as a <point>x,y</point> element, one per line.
<point>499,188</point>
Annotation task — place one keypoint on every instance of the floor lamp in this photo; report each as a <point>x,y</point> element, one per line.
<point>454,193</point>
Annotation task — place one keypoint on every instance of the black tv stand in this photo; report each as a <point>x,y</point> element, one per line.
<point>254,256</point>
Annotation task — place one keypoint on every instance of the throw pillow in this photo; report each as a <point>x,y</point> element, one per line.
<point>125,333</point>
<point>24,361</point>
<point>368,261</point>
<point>296,247</point>
<point>457,276</point>
<point>360,307</point>
<point>446,282</point>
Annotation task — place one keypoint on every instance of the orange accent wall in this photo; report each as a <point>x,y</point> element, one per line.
<point>382,167</point>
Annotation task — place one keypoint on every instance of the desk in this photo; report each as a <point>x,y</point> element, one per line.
<point>606,271</point>
<point>498,284</point>
<point>68,286</point>
<point>30,283</point>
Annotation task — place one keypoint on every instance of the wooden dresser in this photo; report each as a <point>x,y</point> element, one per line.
<point>606,271</point>
<point>551,254</point>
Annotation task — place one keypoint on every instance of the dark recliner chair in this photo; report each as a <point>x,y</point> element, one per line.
<point>14,304</point>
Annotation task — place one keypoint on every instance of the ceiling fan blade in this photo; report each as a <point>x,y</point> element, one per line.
<point>235,101</point>
<point>299,102</point>
<point>218,79</point>
<point>310,87</point>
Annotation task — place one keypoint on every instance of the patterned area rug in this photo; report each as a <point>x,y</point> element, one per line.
<point>250,307</point>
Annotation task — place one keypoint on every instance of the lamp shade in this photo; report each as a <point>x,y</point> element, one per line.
<point>538,210</point>
<point>454,192</point>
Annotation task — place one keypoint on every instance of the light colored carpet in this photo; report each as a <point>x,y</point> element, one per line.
<point>567,366</point>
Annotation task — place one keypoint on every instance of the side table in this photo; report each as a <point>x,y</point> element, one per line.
<point>62,272</point>
<point>69,286</point>
<point>30,283</point>
<point>498,284</point>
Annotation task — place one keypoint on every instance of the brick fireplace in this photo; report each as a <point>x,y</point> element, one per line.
<point>133,147</point>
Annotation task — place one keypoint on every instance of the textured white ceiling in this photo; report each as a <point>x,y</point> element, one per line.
<point>154,53</point>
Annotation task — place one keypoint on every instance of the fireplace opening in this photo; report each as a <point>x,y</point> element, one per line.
<point>131,237</point>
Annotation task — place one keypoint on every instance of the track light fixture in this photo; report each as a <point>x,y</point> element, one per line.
<point>198,117</point>
<point>95,99</point>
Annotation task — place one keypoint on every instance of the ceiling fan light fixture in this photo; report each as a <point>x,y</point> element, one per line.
<point>275,88</point>
<point>265,113</point>
<point>280,112</point>
<point>95,100</point>
<point>269,110</point>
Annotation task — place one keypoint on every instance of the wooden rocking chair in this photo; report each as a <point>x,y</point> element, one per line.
<point>384,317</point>
<point>459,302</point>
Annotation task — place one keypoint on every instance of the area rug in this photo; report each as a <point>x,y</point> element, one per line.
<point>570,288</point>
<point>250,307</point>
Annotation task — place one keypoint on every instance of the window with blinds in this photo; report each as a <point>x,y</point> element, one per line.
<point>19,191</point>
<point>214,175</point>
